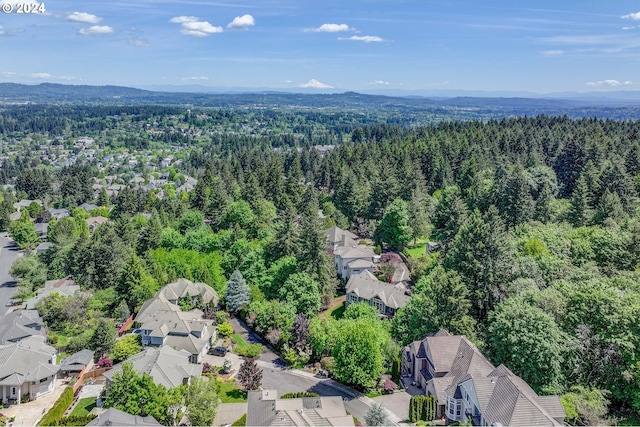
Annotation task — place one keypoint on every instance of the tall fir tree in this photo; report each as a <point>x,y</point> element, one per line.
<point>580,212</point>
<point>237,295</point>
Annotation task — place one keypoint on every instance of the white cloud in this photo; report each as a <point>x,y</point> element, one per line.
<point>635,16</point>
<point>379,82</point>
<point>331,28</point>
<point>138,42</point>
<point>629,28</point>
<point>313,83</point>
<point>8,74</point>
<point>41,75</point>
<point>183,19</point>
<point>609,83</point>
<point>96,30</point>
<point>242,22</point>
<point>86,18</point>
<point>2,33</point>
<point>553,52</point>
<point>192,26</point>
<point>366,39</point>
<point>195,78</point>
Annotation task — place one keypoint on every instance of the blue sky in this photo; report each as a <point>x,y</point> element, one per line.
<point>520,45</point>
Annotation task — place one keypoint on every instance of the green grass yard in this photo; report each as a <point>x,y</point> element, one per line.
<point>84,406</point>
<point>416,251</point>
<point>230,393</point>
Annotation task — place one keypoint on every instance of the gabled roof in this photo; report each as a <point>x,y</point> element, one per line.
<point>65,286</point>
<point>18,325</point>
<point>183,287</point>
<point>349,252</point>
<point>265,409</point>
<point>165,365</point>
<point>336,235</point>
<point>366,285</point>
<point>360,263</point>
<point>79,359</point>
<point>27,360</point>
<point>116,417</point>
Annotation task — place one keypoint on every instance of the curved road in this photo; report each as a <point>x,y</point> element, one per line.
<point>275,375</point>
<point>8,254</point>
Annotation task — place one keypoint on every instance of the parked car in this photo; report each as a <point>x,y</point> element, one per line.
<point>218,351</point>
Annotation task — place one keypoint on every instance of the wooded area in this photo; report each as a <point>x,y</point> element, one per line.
<point>537,218</point>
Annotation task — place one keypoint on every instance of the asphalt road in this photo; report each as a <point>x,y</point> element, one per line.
<point>286,380</point>
<point>8,254</point>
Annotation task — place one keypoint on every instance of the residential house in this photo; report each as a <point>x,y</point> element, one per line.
<point>161,321</point>
<point>385,297</point>
<point>58,213</point>
<point>265,409</point>
<point>468,388</point>
<point>44,247</point>
<point>41,229</point>
<point>336,236</point>
<point>89,207</point>
<point>95,221</point>
<point>353,260</point>
<point>77,363</point>
<point>116,417</point>
<point>165,365</point>
<point>19,325</point>
<point>27,368</point>
<point>66,287</point>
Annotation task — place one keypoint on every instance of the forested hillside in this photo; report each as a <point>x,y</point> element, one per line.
<point>537,218</point>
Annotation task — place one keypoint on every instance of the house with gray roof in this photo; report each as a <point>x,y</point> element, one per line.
<point>468,388</point>
<point>165,365</point>
<point>161,321</point>
<point>265,409</point>
<point>385,297</point>
<point>65,287</point>
<point>116,417</point>
<point>95,221</point>
<point>336,236</point>
<point>20,324</point>
<point>27,367</point>
<point>353,260</point>
<point>58,213</point>
<point>77,362</point>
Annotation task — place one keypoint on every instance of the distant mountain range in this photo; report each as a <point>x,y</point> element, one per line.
<point>619,105</point>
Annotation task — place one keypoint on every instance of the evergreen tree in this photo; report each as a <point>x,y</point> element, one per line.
<point>237,294</point>
<point>517,206</point>
<point>287,239</point>
<point>580,211</point>
<point>103,198</point>
<point>150,236</point>
<point>480,254</point>
<point>135,285</point>
<point>394,229</point>
<point>377,415</point>
<point>313,257</point>
<point>103,338</point>
<point>543,211</point>
<point>451,212</point>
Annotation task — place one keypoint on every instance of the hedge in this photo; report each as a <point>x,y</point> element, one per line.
<point>242,421</point>
<point>75,420</point>
<point>422,408</point>
<point>57,411</point>
<point>298,394</point>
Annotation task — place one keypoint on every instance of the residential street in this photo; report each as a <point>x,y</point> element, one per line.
<point>8,254</point>
<point>277,376</point>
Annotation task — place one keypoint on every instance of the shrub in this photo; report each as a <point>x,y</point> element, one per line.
<point>422,408</point>
<point>225,329</point>
<point>252,350</point>
<point>298,394</point>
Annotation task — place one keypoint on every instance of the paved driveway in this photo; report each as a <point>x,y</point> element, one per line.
<point>28,413</point>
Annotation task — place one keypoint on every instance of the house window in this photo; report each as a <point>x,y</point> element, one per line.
<point>13,391</point>
<point>44,380</point>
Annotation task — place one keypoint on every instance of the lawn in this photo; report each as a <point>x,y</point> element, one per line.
<point>83,407</point>
<point>337,312</point>
<point>230,393</point>
<point>245,349</point>
<point>416,251</point>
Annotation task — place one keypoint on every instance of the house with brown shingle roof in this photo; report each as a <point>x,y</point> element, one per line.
<point>468,388</point>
